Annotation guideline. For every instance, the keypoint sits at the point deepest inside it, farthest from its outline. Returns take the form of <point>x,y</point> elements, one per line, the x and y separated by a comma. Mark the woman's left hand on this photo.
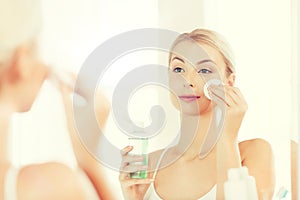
<point>233,105</point>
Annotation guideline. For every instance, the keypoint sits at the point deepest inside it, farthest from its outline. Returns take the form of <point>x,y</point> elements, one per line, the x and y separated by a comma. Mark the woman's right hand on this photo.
<point>132,188</point>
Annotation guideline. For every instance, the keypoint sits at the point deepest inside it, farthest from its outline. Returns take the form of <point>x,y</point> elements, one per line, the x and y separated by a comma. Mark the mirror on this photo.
<point>258,31</point>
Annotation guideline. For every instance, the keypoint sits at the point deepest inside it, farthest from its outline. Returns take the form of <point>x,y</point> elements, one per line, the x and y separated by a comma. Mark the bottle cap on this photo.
<point>234,173</point>
<point>238,173</point>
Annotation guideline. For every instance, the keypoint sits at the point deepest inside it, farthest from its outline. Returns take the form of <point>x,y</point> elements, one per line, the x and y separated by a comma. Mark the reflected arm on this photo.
<point>94,170</point>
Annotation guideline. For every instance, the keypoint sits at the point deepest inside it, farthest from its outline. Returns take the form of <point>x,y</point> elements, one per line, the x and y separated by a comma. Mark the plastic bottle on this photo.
<point>240,186</point>
<point>140,147</point>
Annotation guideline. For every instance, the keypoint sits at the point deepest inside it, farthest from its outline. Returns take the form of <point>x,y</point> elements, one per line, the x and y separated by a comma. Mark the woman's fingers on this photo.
<point>219,101</point>
<point>228,95</point>
<point>123,176</point>
<point>134,168</point>
<point>128,158</point>
<point>136,181</point>
<point>219,94</point>
<point>135,161</point>
<point>239,94</point>
<point>131,163</point>
<point>126,150</point>
<point>230,99</point>
<point>127,169</point>
<point>133,158</point>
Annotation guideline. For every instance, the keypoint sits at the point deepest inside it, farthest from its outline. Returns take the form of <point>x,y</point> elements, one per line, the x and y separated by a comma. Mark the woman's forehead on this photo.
<point>194,52</point>
<point>190,51</point>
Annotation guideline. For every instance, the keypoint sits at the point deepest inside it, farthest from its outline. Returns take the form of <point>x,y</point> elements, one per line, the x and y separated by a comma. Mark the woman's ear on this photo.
<point>231,79</point>
<point>22,63</point>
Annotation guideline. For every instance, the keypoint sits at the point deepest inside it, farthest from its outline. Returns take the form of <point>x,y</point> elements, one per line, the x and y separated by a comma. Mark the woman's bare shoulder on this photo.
<point>257,155</point>
<point>255,149</point>
<point>254,144</point>
<point>49,181</point>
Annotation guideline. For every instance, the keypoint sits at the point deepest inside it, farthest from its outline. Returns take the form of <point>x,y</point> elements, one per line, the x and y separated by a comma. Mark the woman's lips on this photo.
<point>189,98</point>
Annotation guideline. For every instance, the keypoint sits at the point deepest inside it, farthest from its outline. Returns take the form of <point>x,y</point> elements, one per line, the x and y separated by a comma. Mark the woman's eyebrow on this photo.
<point>198,63</point>
<point>174,58</point>
<point>204,61</point>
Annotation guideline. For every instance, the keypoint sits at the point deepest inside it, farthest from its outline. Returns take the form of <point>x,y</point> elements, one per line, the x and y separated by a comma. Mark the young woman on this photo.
<point>21,76</point>
<point>181,171</point>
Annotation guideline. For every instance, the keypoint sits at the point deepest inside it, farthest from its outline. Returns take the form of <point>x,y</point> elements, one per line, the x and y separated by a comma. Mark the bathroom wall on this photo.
<point>259,32</point>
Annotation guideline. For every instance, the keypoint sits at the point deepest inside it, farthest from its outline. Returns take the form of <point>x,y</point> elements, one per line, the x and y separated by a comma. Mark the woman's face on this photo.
<point>191,66</point>
<point>28,74</point>
<point>32,82</point>
<point>32,85</point>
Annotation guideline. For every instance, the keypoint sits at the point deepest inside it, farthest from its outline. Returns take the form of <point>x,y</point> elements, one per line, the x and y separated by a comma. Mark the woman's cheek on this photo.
<point>174,100</point>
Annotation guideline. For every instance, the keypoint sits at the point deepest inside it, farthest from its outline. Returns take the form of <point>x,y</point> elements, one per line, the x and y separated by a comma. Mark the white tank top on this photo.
<point>10,184</point>
<point>152,195</point>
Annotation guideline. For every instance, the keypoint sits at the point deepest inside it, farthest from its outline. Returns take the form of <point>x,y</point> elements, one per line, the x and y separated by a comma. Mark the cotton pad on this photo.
<point>209,83</point>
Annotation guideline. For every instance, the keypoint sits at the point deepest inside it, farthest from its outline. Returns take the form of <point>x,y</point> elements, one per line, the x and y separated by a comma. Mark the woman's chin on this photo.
<point>190,111</point>
<point>25,108</point>
<point>195,110</point>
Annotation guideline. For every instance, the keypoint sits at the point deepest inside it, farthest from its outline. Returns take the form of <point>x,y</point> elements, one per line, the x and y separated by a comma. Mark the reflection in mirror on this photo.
<point>258,31</point>
<point>262,47</point>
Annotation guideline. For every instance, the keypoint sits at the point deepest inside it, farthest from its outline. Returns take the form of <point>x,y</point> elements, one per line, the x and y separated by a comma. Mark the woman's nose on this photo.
<point>189,85</point>
<point>190,80</point>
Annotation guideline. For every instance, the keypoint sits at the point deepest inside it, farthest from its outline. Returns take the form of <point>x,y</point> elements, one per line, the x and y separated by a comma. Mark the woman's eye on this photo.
<point>178,70</point>
<point>204,71</point>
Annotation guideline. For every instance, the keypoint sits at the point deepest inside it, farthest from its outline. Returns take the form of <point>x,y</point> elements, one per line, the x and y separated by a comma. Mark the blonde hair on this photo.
<point>212,39</point>
<point>20,22</point>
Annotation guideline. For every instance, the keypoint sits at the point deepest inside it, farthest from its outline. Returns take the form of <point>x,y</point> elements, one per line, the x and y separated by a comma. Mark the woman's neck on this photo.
<point>193,133</point>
